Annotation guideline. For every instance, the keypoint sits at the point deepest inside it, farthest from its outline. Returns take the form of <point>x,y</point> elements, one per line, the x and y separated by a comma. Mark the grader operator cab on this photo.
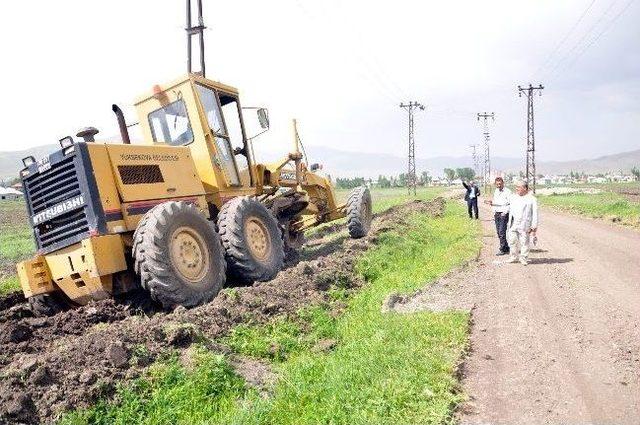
<point>176,214</point>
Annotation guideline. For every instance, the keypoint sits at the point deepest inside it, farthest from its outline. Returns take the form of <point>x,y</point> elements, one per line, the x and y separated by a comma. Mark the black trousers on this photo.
<point>501,228</point>
<point>472,206</point>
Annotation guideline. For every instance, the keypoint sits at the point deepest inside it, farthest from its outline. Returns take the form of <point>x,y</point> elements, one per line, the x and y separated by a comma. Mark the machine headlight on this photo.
<point>65,142</point>
<point>69,149</point>
<point>28,161</point>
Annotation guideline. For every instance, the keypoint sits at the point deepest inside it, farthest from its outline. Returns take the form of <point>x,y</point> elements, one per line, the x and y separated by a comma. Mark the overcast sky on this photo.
<point>340,68</point>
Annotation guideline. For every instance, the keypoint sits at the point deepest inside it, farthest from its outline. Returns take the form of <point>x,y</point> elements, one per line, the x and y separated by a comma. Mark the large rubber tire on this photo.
<point>252,240</point>
<point>178,255</point>
<point>359,212</point>
<point>49,304</point>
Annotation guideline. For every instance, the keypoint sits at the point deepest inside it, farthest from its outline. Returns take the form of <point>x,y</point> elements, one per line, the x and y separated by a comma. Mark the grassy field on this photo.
<point>16,242</point>
<point>384,369</point>
<point>606,205</point>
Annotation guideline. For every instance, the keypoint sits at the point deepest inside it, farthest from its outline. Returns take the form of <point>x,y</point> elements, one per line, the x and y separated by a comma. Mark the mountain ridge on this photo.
<point>340,163</point>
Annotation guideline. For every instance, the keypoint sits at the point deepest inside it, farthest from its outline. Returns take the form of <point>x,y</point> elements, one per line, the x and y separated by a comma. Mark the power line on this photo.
<point>564,39</point>
<point>601,33</point>
<point>558,65</point>
<point>531,141</point>
<point>411,169</point>
<point>379,84</point>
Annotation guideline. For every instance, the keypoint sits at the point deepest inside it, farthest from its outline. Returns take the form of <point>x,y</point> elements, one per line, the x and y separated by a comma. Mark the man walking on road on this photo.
<point>523,222</point>
<point>472,198</point>
<point>500,206</point>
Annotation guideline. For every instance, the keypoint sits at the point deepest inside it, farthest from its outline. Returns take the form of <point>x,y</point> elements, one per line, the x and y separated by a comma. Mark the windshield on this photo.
<point>170,124</point>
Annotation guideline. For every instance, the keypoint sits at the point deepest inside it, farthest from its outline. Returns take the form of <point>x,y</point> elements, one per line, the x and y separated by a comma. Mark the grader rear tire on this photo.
<point>178,255</point>
<point>359,212</point>
<point>252,240</point>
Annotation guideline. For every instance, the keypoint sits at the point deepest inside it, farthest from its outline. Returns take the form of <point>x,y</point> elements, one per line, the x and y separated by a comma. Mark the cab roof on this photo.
<point>194,78</point>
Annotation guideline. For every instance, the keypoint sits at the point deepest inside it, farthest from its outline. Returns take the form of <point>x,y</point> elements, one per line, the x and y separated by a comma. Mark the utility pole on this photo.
<point>198,31</point>
<point>411,172</point>
<point>531,140</point>
<point>486,175</point>
<point>474,157</point>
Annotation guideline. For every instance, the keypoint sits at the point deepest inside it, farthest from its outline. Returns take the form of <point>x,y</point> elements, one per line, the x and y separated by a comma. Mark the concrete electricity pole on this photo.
<point>531,140</point>
<point>411,172</point>
<point>486,175</point>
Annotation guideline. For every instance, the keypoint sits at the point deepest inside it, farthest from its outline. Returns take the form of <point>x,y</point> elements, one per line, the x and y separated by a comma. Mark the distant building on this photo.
<point>598,180</point>
<point>9,194</point>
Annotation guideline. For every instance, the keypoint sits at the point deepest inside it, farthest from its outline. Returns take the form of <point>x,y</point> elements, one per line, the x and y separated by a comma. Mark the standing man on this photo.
<point>472,198</point>
<point>523,222</point>
<point>500,206</point>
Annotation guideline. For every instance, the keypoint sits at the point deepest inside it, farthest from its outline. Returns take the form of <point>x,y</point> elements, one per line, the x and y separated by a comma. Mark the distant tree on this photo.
<point>636,173</point>
<point>402,180</point>
<point>383,182</point>
<point>449,174</point>
<point>465,174</point>
<point>425,178</point>
<point>349,183</point>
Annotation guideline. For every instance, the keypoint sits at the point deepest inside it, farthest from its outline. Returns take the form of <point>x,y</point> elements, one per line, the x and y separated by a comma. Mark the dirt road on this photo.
<point>557,341</point>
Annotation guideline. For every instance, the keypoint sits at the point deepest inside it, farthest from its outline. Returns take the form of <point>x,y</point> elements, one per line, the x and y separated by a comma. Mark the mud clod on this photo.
<point>117,355</point>
<point>41,376</point>
<point>87,377</point>
<point>14,333</point>
<point>182,336</point>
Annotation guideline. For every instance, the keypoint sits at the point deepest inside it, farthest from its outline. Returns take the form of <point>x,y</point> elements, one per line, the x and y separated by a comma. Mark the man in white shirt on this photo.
<point>523,222</point>
<point>500,206</point>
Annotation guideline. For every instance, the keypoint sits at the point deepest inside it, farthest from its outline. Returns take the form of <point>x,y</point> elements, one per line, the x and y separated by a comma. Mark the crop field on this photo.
<point>611,206</point>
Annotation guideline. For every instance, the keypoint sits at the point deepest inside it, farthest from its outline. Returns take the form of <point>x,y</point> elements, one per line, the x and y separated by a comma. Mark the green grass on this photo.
<point>384,199</point>
<point>283,337</point>
<point>171,393</point>
<point>388,368</point>
<point>606,205</point>
<point>385,369</point>
<point>9,284</point>
<point>16,242</point>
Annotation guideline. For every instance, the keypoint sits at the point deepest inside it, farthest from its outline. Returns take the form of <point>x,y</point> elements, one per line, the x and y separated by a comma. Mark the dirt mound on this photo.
<point>50,365</point>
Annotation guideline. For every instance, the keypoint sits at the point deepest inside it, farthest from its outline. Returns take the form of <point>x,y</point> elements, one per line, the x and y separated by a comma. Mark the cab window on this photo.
<point>170,124</point>
<point>211,109</point>
<point>224,152</point>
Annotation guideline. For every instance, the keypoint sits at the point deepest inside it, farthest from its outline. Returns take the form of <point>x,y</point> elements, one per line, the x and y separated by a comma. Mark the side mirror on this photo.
<point>263,117</point>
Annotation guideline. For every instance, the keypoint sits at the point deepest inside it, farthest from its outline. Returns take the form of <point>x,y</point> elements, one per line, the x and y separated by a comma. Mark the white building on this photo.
<point>8,194</point>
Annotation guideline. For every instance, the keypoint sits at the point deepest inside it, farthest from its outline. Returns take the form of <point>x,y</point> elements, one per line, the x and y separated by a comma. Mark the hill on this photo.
<point>355,164</point>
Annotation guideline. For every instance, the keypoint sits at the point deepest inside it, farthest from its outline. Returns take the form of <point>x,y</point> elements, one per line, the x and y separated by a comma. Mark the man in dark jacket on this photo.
<point>472,198</point>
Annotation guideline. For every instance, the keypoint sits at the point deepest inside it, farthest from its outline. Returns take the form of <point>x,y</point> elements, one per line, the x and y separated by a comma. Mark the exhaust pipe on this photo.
<point>124,131</point>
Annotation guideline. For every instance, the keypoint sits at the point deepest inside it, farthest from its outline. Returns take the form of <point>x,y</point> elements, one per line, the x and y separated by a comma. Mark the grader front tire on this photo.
<point>359,214</point>
<point>252,240</point>
<point>178,255</point>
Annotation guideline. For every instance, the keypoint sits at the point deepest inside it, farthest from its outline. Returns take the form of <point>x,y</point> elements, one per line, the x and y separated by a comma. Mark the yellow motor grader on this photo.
<point>175,214</point>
